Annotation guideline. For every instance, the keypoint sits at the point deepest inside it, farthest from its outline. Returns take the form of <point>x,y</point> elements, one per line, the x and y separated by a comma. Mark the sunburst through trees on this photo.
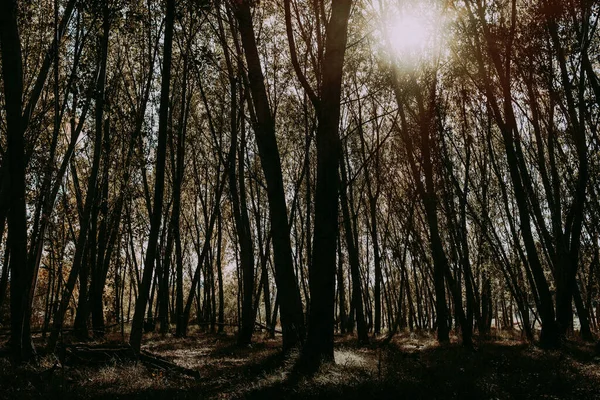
<point>309,171</point>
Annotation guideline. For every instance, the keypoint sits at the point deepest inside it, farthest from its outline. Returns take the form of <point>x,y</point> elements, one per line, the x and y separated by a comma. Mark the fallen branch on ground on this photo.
<point>101,354</point>
<point>263,326</point>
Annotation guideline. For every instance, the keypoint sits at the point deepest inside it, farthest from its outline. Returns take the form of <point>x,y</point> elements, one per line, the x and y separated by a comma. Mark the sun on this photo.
<point>409,34</point>
<point>412,32</point>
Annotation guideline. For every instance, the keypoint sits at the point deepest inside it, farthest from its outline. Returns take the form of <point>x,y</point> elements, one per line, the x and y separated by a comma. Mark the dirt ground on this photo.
<point>409,367</point>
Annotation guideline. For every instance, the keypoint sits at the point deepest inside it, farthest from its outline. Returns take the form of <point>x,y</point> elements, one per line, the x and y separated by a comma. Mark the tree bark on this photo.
<point>353,260</point>
<point>84,226</point>
<point>135,339</point>
<point>319,343</point>
<point>12,73</point>
<point>292,318</point>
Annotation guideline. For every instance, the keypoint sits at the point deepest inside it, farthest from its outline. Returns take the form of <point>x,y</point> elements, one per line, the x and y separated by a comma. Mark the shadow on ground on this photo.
<point>410,366</point>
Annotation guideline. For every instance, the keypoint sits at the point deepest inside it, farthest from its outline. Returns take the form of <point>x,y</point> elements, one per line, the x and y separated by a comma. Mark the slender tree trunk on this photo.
<point>84,225</point>
<point>583,315</point>
<point>221,320</point>
<point>182,323</point>
<point>373,195</point>
<point>135,339</point>
<point>4,277</point>
<point>353,260</point>
<point>163,276</point>
<point>244,233</point>
<point>80,324</point>
<point>377,262</point>
<point>177,183</point>
<point>427,195</point>
<point>292,318</point>
<point>341,287</point>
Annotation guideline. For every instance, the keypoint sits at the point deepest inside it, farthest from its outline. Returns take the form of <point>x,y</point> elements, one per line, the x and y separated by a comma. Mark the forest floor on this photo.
<point>410,366</point>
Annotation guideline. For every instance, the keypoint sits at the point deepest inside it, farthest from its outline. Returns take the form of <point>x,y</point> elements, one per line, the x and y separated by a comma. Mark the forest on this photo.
<point>299,198</point>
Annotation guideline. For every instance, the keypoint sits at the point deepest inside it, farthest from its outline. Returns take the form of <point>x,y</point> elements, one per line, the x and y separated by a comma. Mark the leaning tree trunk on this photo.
<point>292,318</point>
<point>91,192</point>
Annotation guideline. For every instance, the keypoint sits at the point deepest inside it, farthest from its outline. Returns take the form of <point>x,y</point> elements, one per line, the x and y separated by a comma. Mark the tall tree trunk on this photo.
<point>135,339</point>
<point>341,287</point>
<point>177,182</point>
<point>353,259</point>
<point>80,325</point>
<point>12,73</point>
<point>242,224</point>
<point>319,343</point>
<point>221,320</point>
<point>373,196</point>
<point>292,318</point>
<point>98,277</point>
<point>5,261</point>
<point>182,323</point>
<point>506,121</point>
<point>569,241</point>
<point>84,226</point>
<point>17,120</point>
<point>163,276</point>
<point>428,198</point>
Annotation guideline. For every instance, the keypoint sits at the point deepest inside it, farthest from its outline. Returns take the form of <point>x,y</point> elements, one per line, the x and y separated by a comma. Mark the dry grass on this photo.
<point>411,366</point>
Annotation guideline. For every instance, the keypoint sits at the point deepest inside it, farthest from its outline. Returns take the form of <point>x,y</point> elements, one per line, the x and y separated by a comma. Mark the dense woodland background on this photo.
<point>280,165</point>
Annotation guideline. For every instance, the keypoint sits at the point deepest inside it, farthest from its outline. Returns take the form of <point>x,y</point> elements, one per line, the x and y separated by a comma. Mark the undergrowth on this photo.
<point>411,366</point>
